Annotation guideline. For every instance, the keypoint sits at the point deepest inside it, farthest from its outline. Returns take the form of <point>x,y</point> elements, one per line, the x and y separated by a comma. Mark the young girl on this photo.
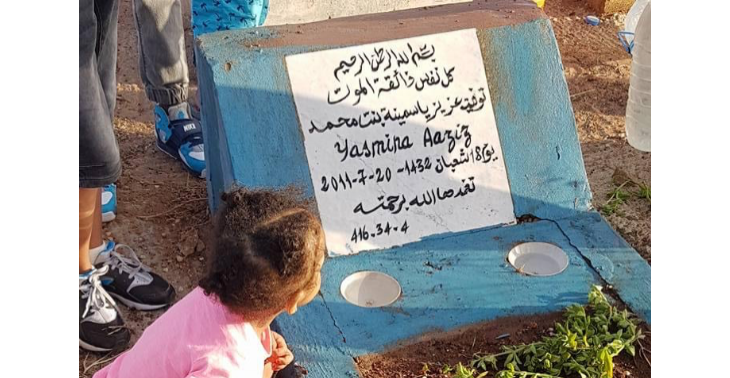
<point>268,253</point>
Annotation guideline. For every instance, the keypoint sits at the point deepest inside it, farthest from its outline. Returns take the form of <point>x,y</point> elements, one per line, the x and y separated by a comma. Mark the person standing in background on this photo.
<point>105,269</point>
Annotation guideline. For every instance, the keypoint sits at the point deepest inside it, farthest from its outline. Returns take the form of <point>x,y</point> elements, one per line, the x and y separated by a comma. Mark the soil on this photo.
<point>363,29</point>
<point>162,208</point>
<point>408,361</point>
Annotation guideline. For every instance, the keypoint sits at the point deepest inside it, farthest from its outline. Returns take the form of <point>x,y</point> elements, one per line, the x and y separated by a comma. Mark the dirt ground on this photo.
<point>159,203</point>
<point>597,70</point>
<point>461,345</point>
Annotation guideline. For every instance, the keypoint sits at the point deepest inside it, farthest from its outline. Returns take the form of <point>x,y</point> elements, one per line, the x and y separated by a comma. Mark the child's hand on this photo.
<point>281,355</point>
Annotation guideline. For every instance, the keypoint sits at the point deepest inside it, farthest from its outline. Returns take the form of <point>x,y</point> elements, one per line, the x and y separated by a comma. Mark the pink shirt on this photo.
<point>197,338</point>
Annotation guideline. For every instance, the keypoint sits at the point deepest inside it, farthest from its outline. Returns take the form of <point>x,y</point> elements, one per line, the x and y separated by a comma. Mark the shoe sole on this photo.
<point>91,348</point>
<point>136,305</point>
<point>108,217</point>
<point>178,158</point>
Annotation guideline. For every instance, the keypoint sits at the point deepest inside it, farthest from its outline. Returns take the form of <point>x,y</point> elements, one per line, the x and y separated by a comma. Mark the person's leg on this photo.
<point>96,239</point>
<point>106,68</point>
<point>162,61</point>
<point>164,71</point>
<point>100,326</point>
<point>99,162</point>
<point>99,165</point>
<point>89,227</point>
<point>87,205</point>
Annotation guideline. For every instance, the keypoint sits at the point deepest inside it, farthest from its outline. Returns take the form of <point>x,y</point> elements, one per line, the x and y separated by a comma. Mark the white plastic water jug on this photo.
<point>631,20</point>
<point>638,108</point>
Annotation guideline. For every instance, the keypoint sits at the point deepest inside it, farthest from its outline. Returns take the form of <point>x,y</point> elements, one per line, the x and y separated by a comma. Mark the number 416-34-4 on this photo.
<point>362,233</point>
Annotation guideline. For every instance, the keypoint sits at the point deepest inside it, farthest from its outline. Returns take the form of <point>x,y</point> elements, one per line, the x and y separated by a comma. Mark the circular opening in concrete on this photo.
<point>370,289</point>
<point>538,259</point>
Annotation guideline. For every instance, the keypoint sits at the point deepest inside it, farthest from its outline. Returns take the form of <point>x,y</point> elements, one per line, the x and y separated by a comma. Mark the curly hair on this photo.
<point>268,245</point>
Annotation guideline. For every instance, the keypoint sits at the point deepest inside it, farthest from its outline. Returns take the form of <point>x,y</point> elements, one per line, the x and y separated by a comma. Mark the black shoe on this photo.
<point>101,328</point>
<point>130,281</point>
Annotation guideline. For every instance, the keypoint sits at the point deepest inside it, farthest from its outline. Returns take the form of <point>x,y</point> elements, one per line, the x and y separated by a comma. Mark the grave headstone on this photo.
<point>401,140</point>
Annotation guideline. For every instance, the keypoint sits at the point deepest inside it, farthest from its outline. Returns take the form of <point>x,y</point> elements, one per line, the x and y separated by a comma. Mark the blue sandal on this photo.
<point>181,136</point>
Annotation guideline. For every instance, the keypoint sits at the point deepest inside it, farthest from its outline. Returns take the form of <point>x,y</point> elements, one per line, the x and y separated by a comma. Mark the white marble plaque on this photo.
<point>401,140</point>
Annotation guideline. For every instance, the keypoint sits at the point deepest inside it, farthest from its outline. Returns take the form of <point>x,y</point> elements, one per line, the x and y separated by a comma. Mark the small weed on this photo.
<point>619,195</point>
<point>644,191</point>
<point>446,369</point>
<point>461,371</point>
<point>609,208</point>
<point>616,197</point>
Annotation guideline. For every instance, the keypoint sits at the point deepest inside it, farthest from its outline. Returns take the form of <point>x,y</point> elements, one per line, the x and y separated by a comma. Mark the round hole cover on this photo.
<point>370,289</point>
<point>538,259</point>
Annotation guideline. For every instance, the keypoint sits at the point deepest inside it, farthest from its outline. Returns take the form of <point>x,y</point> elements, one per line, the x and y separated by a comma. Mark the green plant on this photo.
<point>584,345</point>
<point>461,371</point>
<point>616,197</point>
<point>644,191</point>
<point>619,195</point>
<point>609,208</point>
<point>446,369</point>
<point>425,368</point>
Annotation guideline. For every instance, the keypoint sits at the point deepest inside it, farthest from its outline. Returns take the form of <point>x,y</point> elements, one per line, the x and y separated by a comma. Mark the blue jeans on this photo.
<point>99,162</point>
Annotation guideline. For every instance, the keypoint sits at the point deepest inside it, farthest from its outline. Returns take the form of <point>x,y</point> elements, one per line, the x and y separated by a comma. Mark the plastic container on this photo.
<point>538,259</point>
<point>634,14</point>
<point>370,289</point>
<point>632,19</point>
<point>638,108</point>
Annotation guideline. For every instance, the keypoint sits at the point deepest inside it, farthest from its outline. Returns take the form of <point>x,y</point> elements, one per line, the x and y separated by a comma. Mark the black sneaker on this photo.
<point>130,281</point>
<point>101,328</point>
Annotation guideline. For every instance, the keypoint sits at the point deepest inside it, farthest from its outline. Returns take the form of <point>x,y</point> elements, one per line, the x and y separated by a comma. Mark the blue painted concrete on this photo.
<point>451,282</point>
<point>613,258</point>
<point>253,138</point>
<point>253,128</point>
<point>535,120</point>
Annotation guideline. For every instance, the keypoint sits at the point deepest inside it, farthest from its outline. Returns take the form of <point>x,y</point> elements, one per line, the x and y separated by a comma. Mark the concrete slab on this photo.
<point>451,282</point>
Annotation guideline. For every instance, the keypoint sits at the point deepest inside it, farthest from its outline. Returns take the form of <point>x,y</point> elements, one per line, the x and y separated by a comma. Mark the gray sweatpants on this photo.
<point>162,62</point>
